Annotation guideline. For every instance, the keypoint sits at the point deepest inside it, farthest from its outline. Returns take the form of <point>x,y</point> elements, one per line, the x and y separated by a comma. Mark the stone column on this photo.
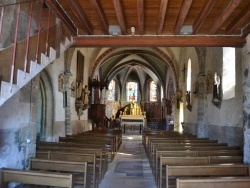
<point>67,103</point>
<point>246,99</point>
<point>201,52</point>
<point>67,74</point>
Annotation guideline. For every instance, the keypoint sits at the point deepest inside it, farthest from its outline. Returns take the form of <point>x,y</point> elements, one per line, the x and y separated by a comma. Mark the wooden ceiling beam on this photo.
<point>161,16</point>
<point>185,6</point>
<point>223,16</point>
<point>81,16</point>
<point>61,14</point>
<point>203,15</point>
<point>163,41</point>
<point>101,16</point>
<point>120,16</point>
<point>242,18</point>
<point>140,15</point>
<point>246,31</point>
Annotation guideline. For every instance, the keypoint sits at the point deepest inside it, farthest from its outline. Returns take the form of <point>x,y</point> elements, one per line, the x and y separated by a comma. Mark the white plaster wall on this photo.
<point>185,55</point>
<point>230,113</point>
<point>13,113</point>
<point>55,69</point>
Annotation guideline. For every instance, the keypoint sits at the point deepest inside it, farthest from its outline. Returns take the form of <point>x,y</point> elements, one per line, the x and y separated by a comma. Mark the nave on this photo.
<point>130,167</point>
<point>176,160</point>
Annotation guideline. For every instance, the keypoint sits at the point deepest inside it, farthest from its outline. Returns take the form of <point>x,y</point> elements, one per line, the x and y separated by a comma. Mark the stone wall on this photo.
<point>246,99</point>
<point>17,130</point>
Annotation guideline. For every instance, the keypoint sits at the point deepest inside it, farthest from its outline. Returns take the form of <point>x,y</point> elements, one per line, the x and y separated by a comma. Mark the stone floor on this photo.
<point>130,167</point>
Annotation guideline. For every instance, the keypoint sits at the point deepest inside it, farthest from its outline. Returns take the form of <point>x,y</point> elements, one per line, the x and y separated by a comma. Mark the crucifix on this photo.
<point>184,72</point>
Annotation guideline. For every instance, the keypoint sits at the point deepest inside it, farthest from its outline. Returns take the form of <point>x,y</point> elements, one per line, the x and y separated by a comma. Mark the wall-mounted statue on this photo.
<point>73,89</point>
<point>86,96</point>
<point>188,100</point>
<point>216,90</point>
<point>82,99</point>
<point>61,82</point>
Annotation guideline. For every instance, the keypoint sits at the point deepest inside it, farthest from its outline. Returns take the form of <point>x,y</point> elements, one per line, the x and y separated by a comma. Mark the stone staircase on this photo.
<point>7,90</point>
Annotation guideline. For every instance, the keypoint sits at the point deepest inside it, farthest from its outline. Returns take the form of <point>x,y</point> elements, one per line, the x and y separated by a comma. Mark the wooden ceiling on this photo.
<point>156,22</point>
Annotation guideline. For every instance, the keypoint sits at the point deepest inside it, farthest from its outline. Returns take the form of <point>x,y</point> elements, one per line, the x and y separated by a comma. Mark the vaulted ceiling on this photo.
<point>156,22</point>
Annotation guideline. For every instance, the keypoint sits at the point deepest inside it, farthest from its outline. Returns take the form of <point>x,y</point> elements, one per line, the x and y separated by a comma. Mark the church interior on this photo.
<point>130,91</point>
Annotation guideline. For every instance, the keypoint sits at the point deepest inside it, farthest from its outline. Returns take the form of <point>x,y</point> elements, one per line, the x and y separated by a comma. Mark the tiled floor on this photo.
<point>132,154</point>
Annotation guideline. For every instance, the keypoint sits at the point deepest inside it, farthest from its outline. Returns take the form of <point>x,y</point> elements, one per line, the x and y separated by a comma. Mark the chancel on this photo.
<point>133,115</point>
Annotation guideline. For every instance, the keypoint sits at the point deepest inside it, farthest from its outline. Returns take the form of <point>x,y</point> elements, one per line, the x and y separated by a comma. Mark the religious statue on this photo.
<point>178,98</point>
<point>73,89</point>
<point>61,82</point>
<point>82,98</point>
<point>86,96</point>
<point>216,90</point>
<point>188,101</point>
<point>187,97</point>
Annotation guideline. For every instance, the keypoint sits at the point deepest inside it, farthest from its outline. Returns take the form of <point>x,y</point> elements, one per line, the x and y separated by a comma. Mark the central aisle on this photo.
<point>130,167</point>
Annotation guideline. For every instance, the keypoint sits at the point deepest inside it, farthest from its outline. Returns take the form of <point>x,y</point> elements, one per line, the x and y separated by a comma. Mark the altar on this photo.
<point>133,115</point>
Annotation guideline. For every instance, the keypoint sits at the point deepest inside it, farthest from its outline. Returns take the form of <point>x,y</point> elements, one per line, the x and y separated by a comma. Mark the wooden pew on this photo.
<point>221,170</point>
<point>216,157</point>
<point>215,182</point>
<point>79,169</point>
<point>192,148</point>
<point>108,143</point>
<point>187,161</point>
<point>171,135</point>
<point>101,158</point>
<point>76,157</point>
<point>35,178</point>
<point>187,146</point>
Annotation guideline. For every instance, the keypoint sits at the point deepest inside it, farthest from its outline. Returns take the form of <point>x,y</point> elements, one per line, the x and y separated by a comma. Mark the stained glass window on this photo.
<point>131,91</point>
<point>153,91</point>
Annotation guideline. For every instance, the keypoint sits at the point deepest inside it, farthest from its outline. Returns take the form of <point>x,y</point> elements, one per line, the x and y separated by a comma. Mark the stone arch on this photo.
<point>46,97</point>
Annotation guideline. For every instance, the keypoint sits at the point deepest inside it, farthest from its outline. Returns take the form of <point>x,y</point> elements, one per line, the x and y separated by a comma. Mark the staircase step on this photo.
<point>35,68</point>
<point>23,78</point>
<point>7,90</point>
<point>52,54</point>
<point>66,45</point>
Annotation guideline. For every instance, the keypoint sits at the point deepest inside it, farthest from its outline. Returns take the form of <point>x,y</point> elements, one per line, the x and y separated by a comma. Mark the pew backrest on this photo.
<point>215,182</point>
<point>61,166</point>
<point>206,170</point>
<point>35,178</point>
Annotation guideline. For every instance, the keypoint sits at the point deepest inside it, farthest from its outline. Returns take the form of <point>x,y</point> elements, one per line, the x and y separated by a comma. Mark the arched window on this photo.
<point>189,75</point>
<point>131,89</point>
<point>152,91</point>
<point>228,81</point>
<point>111,91</point>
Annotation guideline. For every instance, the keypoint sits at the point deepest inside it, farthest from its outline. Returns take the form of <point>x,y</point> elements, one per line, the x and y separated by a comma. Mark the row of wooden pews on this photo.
<point>80,159</point>
<point>184,161</point>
